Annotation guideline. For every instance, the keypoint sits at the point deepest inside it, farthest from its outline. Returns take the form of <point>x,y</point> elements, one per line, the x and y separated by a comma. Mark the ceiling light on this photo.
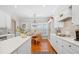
<point>15,6</point>
<point>44,6</point>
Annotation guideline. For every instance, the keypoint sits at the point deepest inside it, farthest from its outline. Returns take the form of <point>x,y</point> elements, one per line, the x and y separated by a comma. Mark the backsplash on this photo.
<point>69,28</point>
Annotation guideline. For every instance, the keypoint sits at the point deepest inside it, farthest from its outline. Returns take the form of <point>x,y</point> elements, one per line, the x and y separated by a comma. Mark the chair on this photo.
<point>36,38</point>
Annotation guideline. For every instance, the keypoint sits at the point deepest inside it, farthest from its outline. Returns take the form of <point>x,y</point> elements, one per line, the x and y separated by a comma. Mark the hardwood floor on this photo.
<point>44,47</point>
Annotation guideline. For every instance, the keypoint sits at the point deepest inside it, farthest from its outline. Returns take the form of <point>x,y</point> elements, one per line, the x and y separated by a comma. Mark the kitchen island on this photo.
<point>16,44</point>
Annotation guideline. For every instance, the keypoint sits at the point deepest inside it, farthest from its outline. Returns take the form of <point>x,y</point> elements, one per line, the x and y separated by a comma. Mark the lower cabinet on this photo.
<point>24,49</point>
<point>63,47</point>
<point>59,51</point>
<point>73,49</point>
<point>56,43</point>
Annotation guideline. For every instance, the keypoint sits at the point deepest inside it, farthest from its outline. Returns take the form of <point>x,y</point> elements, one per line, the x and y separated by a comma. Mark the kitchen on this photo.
<point>58,24</point>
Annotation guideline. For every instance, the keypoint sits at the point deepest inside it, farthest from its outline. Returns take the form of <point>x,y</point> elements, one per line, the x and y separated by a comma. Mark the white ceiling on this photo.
<point>29,10</point>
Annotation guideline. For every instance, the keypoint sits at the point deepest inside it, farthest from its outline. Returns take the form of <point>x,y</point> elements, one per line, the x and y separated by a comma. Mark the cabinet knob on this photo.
<point>69,45</point>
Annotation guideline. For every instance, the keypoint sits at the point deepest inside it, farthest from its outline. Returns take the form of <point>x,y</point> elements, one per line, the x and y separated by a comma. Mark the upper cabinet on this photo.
<point>75,14</point>
<point>2,20</point>
<point>65,13</point>
<point>5,20</point>
<point>8,21</point>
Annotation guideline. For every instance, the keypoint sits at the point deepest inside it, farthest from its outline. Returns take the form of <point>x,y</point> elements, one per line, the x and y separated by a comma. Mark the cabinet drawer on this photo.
<point>65,50</point>
<point>71,47</point>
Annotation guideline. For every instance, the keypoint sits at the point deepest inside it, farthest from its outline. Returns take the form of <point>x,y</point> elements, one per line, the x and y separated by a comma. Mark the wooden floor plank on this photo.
<point>44,47</point>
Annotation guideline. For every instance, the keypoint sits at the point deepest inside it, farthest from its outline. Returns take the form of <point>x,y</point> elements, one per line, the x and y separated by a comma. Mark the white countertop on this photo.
<point>5,35</point>
<point>68,39</point>
<point>9,45</point>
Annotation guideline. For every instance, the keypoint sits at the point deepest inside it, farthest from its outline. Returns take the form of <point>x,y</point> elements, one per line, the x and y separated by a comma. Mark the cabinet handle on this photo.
<point>69,45</point>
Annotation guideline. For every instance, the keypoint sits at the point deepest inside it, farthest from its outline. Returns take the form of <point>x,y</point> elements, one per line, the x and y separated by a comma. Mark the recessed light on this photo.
<point>44,6</point>
<point>15,6</point>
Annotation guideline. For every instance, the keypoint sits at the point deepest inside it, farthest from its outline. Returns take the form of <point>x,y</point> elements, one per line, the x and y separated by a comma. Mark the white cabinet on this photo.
<point>25,48</point>
<point>2,20</point>
<point>75,14</point>
<point>60,49</point>
<point>56,43</point>
<point>62,46</point>
<point>65,12</point>
<point>71,48</point>
<point>67,48</point>
<point>8,21</point>
<point>5,20</point>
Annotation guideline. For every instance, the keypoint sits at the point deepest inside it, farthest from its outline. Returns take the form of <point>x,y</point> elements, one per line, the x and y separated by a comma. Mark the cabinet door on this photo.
<point>2,20</point>
<point>66,47</point>
<point>59,51</point>
<point>57,44</point>
<point>8,22</point>
<point>54,42</point>
<point>70,47</point>
<point>28,48</point>
<point>25,48</point>
<point>75,14</point>
<point>65,51</point>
